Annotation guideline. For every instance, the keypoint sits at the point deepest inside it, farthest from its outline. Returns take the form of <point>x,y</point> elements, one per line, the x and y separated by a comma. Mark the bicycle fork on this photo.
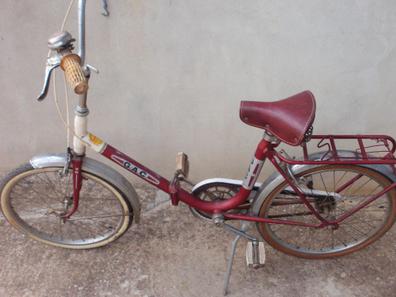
<point>76,163</point>
<point>78,153</point>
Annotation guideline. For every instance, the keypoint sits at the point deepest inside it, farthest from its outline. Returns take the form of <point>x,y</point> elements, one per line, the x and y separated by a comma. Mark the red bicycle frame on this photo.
<point>264,150</point>
<point>182,195</point>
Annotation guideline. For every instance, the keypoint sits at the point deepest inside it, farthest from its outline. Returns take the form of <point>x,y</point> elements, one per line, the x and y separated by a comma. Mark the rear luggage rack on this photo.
<point>345,149</point>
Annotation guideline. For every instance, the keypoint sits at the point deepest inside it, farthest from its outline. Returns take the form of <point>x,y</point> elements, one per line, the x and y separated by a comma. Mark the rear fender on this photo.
<point>276,178</point>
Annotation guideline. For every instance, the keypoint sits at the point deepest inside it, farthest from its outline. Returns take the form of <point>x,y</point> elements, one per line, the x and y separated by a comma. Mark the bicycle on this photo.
<point>325,204</point>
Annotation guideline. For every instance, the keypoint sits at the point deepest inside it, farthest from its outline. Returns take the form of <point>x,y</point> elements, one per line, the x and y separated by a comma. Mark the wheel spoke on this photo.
<point>36,199</point>
<point>357,183</point>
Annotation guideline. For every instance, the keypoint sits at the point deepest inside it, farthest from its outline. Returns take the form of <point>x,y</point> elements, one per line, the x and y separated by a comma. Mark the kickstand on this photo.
<point>240,233</point>
<point>229,264</point>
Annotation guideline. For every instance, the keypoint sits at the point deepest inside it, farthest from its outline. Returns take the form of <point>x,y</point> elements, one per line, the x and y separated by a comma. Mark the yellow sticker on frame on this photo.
<point>94,139</point>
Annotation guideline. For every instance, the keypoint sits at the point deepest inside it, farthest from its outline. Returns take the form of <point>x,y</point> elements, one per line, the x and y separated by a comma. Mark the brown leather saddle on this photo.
<point>288,119</point>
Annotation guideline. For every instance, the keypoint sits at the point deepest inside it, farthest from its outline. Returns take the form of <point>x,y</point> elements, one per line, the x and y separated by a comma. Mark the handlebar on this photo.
<point>81,29</point>
<point>74,66</point>
<point>81,25</point>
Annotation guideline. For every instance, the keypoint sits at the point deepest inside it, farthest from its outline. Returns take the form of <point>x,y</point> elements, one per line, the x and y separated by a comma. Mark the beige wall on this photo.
<point>173,73</point>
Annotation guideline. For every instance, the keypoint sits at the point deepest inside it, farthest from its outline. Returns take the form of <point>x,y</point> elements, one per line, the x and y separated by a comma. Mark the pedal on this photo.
<point>255,254</point>
<point>182,164</point>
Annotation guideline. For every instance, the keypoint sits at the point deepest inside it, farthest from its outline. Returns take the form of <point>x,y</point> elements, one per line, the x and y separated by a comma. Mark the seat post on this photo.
<point>270,138</point>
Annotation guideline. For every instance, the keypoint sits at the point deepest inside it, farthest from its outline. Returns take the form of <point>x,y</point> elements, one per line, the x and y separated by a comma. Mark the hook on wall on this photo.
<point>105,8</point>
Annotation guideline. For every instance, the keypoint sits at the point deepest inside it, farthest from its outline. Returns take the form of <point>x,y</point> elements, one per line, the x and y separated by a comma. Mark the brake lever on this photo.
<point>52,63</point>
<point>105,8</point>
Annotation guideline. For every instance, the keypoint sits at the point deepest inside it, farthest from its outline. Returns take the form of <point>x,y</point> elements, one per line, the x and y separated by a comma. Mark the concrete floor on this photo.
<point>171,253</point>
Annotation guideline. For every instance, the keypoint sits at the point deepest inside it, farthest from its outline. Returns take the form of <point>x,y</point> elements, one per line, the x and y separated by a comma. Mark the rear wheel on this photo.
<point>34,200</point>
<point>332,190</point>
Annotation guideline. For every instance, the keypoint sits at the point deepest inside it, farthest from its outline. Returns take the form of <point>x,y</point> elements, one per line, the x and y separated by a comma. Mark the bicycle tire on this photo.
<point>291,239</point>
<point>17,213</point>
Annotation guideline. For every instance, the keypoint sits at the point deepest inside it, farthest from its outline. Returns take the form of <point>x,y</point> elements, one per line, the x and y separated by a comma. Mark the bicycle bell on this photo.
<point>61,41</point>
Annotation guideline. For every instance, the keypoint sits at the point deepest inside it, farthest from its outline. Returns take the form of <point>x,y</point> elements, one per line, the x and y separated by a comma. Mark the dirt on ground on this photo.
<point>171,254</point>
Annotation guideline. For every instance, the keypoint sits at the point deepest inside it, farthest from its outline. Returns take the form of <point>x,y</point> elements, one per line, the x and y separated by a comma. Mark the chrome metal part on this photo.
<point>67,202</point>
<point>218,219</point>
<point>255,254</point>
<point>60,41</point>
<point>97,168</point>
<point>308,134</point>
<point>229,264</point>
<point>270,138</point>
<point>92,68</point>
<point>241,233</point>
<point>87,71</point>
<point>82,101</point>
<point>69,156</point>
<point>81,29</point>
<point>81,111</point>
<point>47,78</point>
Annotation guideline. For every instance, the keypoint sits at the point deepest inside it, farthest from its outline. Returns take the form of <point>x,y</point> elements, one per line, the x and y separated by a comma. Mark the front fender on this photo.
<point>276,178</point>
<point>99,169</point>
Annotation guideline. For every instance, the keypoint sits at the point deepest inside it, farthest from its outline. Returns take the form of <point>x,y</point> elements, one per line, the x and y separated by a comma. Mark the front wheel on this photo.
<point>34,200</point>
<point>332,190</point>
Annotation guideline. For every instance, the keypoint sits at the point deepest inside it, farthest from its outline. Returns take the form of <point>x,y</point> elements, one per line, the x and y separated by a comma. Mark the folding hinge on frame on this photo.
<point>173,189</point>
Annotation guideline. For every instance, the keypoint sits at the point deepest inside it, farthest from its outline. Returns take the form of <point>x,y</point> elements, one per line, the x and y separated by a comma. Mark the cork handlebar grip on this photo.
<point>75,77</point>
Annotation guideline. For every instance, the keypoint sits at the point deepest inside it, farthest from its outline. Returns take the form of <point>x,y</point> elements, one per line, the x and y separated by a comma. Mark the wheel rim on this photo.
<point>35,200</point>
<point>352,233</point>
